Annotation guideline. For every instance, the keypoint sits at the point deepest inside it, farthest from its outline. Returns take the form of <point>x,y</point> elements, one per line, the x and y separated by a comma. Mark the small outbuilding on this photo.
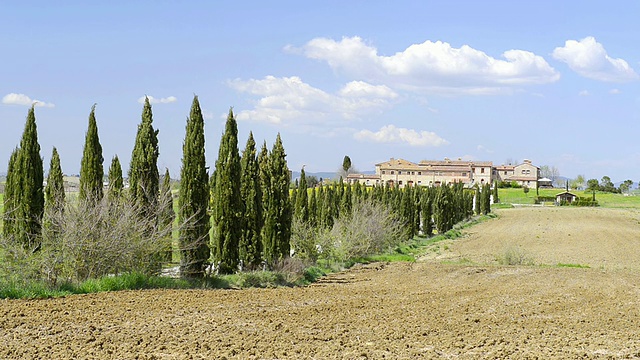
<point>566,198</point>
<point>545,183</point>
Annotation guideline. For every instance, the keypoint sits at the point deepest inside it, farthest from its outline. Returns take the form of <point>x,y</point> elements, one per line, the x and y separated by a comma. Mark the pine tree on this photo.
<point>11,189</point>
<point>253,219</point>
<point>302,199</point>
<point>194,198</point>
<point>91,170</point>
<point>277,229</point>
<point>54,198</point>
<point>116,183</point>
<point>166,214</point>
<point>144,180</point>
<point>26,193</point>
<point>228,207</point>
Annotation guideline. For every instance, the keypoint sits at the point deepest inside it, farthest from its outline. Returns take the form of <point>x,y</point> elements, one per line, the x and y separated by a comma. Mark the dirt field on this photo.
<point>429,309</point>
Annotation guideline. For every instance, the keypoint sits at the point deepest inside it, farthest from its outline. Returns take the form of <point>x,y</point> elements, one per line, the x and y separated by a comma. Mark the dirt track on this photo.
<point>397,311</point>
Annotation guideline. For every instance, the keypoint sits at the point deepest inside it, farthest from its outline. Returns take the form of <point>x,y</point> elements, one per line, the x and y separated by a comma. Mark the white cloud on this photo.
<point>583,93</point>
<point>615,91</point>
<point>290,99</point>
<point>588,58</point>
<point>482,148</point>
<point>432,66</point>
<point>392,134</point>
<point>22,99</point>
<point>152,100</point>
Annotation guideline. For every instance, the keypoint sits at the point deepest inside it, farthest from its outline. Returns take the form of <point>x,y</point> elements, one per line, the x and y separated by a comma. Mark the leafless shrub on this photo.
<point>371,228</point>
<point>103,237</point>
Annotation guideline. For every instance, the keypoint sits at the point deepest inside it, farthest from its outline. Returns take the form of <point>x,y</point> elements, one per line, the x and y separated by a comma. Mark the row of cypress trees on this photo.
<point>25,206</point>
<point>250,205</point>
<point>422,209</point>
<point>246,199</point>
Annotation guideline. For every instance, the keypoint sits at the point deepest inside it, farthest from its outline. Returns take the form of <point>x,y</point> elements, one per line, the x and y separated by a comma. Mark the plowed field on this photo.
<point>455,303</point>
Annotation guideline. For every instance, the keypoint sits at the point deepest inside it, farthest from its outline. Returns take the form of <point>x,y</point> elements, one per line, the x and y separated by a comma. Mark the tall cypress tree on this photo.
<point>27,180</point>
<point>54,199</point>
<point>167,214</point>
<point>54,191</point>
<point>277,234</point>
<point>116,183</point>
<point>253,219</point>
<point>427,211</point>
<point>313,208</point>
<point>496,199</point>
<point>91,170</point>
<point>144,180</point>
<point>228,206</point>
<point>302,199</point>
<point>194,198</point>
<point>11,191</point>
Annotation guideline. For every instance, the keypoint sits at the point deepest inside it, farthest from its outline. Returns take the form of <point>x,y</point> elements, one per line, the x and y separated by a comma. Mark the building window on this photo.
<point>399,172</point>
<point>391,172</point>
<point>419,172</point>
<point>383,172</point>
<point>481,170</point>
<point>400,182</point>
<point>505,173</point>
<point>419,182</point>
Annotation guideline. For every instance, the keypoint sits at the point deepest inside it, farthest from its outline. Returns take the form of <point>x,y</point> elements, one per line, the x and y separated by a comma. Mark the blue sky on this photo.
<point>553,82</point>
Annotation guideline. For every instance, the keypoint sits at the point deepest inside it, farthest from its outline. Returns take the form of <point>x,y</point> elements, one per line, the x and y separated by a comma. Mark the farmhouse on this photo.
<point>401,173</point>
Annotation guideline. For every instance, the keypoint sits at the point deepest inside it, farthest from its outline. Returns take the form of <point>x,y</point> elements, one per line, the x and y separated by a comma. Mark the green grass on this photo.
<point>577,266</point>
<point>607,200</point>
<point>134,281</point>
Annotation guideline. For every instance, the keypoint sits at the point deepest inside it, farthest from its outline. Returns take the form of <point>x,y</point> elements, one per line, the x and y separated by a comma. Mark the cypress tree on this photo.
<point>277,234</point>
<point>228,207</point>
<point>194,198</point>
<point>443,209</point>
<point>477,200</point>
<point>116,183</point>
<point>302,199</point>
<point>496,199</point>
<point>328,207</point>
<point>251,193</point>
<point>11,189</point>
<point>263,166</point>
<point>427,211</point>
<point>27,205</point>
<point>346,200</point>
<point>54,198</point>
<point>166,214</point>
<point>486,199</point>
<point>406,212</point>
<point>91,170</point>
<point>144,182</point>
<point>313,208</point>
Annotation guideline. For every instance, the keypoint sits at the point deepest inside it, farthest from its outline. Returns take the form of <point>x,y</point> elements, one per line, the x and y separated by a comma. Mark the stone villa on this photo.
<point>401,173</point>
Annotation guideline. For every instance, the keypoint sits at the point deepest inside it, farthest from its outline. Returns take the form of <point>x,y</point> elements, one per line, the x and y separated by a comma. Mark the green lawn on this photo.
<point>517,196</point>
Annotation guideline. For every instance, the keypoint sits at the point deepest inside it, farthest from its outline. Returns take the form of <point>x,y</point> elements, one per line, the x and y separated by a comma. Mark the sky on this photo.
<point>553,82</point>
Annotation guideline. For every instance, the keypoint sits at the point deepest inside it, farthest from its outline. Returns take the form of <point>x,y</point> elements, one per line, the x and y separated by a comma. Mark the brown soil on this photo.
<point>429,309</point>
